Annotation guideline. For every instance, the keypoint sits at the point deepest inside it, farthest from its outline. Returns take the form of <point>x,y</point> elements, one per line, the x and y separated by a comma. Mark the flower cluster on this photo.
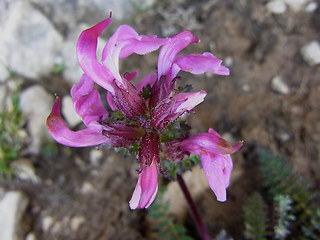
<point>147,108</point>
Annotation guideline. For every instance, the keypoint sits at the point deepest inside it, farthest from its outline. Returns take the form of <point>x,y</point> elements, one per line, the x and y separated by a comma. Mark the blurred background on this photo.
<point>270,100</point>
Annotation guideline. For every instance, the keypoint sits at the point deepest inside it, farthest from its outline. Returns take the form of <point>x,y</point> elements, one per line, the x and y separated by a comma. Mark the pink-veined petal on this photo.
<point>84,86</point>
<point>87,58</point>
<point>61,133</point>
<point>209,142</point>
<point>111,102</point>
<point>217,169</point>
<point>201,63</point>
<point>187,101</point>
<point>150,79</point>
<point>87,102</point>
<point>142,45</point>
<point>169,51</point>
<point>146,188</point>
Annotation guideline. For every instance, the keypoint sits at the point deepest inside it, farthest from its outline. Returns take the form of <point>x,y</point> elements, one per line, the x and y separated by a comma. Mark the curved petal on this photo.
<point>84,86</point>
<point>86,53</point>
<point>142,45</point>
<point>217,169</point>
<point>210,143</point>
<point>201,63</point>
<point>150,79</point>
<point>146,188</point>
<point>87,102</point>
<point>187,101</point>
<point>61,133</point>
<point>169,51</point>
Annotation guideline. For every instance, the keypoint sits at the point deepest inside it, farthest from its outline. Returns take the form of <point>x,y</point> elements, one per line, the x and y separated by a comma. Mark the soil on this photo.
<point>262,46</point>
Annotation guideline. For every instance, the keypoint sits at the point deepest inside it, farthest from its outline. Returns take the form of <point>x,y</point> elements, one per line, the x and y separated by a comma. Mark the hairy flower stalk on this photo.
<point>147,109</point>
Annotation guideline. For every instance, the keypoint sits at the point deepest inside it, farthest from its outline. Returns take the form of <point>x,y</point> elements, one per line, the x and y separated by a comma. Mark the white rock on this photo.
<point>311,7</point>
<point>95,156</point>
<point>12,209</point>
<point>311,53</point>
<point>46,223</point>
<point>276,7</point>
<point>76,221</point>
<point>279,85</point>
<point>36,104</point>
<point>72,70</point>
<point>25,170</point>
<point>68,112</point>
<point>28,41</point>
<point>295,5</point>
<point>228,61</point>
<point>31,236</point>
<point>87,188</point>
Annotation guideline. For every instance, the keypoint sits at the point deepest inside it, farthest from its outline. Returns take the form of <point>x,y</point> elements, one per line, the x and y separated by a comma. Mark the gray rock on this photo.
<point>29,42</point>
<point>31,236</point>
<point>68,112</point>
<point>278,85</point>
<point>276,6</point>
<point>36,104</point>
<point>311,7</point>
<point>311,53</point>
<point>12,208</point>
<point>295,5</point>
<point>25,170</point>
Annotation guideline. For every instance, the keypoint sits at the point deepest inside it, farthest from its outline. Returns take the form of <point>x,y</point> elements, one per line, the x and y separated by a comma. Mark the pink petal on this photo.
<point>111,102</point>
<point>123,43</point>
<point>86,53</point>
<point>201,63</point>
<point>142,45</point>
<point>187,101</point>
<point>61,133</point>
<point>169,51</point>
<point>146,188</point>
<point>217,169</point>
<point>150,79</point>
<point>87,102</point>
<point>209,143</point>
<point>84,87</point>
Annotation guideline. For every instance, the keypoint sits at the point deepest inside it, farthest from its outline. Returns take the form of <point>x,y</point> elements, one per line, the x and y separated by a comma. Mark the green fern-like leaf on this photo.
<point>165,224</point>
<point>279,179</point>
<point>254,213</point>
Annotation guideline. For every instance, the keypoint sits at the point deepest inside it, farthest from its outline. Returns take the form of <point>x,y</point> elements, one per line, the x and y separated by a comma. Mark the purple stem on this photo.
<point>193,209</point>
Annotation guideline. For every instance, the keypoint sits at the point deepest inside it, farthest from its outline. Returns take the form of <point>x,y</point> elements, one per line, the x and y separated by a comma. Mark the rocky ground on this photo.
<point>271,99</point>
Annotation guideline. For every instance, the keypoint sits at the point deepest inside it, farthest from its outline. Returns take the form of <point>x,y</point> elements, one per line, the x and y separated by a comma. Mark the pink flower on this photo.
<point>215,157</point>
<point>147,108</point>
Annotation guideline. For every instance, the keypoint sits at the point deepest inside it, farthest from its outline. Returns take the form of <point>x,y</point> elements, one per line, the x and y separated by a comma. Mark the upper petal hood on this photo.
<point>201,63</point>
<point>169,51</point>
<point>87,58</point>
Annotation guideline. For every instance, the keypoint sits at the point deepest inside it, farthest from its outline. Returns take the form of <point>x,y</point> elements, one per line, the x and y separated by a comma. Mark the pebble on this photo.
<point>76,221</point>
<point>13,205</point>
<point>276,7</point>
<point>28,41</point>
<point>278,85</point>
<point>69,113</point>
<point>311,7</point>
<point>311,53</point>
<point>36,103</point>
<point>25,170</point>
<point>295,5</point>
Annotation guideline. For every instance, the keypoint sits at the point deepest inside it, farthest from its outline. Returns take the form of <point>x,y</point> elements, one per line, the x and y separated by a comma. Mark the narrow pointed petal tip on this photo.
<point>86,54</point>
<point>90,136</point>
<point>146,188</point>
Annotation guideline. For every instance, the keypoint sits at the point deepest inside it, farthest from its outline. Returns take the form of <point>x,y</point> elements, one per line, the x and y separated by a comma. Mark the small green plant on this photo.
<point>255,217</point>
<point>292,206</point>
<point>165,225</point>
<point>11,121</point>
